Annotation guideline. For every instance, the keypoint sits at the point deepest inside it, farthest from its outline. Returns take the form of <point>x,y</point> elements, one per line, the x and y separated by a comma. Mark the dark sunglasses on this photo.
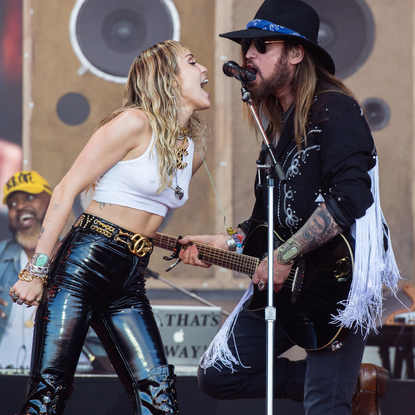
<point>260,44</point>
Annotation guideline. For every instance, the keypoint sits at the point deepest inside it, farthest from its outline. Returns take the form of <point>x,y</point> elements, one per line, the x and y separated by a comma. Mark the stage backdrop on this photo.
<point>64,97</point>
<point>377,64</point>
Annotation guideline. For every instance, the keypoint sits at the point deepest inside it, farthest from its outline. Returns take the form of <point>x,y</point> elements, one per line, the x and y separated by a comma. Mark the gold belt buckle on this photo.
<point>138,245</point>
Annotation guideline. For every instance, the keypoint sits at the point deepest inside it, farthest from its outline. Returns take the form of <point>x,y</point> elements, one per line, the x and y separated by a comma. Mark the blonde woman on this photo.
<point>139,160</point>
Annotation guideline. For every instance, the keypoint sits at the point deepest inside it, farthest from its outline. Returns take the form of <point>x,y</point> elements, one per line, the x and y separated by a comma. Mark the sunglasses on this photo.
<point>261,45</point>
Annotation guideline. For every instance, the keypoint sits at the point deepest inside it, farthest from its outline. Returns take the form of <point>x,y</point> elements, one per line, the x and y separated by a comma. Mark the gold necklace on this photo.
<point>184,132</point>
<point>181,151</point>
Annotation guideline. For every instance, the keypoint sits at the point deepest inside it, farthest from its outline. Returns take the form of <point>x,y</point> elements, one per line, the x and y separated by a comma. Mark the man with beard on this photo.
<point>327,152</point>
<point>27,196</point>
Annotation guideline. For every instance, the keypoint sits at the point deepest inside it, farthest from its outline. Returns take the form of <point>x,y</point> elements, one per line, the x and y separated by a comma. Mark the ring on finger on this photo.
<point>11,290</point>
<point>15,296</point>
<point>261,285</point>
<point>20,302</point>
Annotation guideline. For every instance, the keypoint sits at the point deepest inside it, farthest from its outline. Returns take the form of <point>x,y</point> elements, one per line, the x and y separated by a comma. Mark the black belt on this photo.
<point>138,244</point>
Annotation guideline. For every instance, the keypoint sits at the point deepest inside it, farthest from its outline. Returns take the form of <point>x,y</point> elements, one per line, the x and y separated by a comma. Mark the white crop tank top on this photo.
<point>134,183</point>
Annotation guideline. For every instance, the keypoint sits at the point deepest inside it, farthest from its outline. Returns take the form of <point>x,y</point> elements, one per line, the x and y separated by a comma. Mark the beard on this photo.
<point>279,78</point>
<point>27,240</point>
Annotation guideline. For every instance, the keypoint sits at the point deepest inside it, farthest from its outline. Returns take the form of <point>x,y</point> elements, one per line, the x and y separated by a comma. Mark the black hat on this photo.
<point>289,19</point>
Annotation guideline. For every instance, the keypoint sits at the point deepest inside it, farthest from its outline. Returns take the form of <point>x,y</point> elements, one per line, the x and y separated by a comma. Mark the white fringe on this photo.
<point>373,268</point>
<point>218,351</point>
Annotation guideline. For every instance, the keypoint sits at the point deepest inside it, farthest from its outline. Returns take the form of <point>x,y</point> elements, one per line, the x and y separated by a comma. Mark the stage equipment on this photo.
<point>80,54</point>
<point>347,32</point>
<point>397,332</point>
<point>106,36</point>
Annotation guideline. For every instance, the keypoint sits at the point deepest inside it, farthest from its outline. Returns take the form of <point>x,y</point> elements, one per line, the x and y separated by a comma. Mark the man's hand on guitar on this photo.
<point>189,254</point>
<point>281,273</point>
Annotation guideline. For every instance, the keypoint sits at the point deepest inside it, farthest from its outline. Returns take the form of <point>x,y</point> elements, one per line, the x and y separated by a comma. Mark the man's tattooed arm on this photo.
<point>319,229</point>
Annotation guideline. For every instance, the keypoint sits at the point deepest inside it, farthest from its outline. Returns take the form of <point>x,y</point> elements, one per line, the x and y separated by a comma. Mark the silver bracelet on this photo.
<point>40,260</point>
<point>33,269</point>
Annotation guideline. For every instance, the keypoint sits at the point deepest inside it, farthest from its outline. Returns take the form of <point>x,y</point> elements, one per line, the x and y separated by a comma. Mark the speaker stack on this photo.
<point>372,46</point>
<point>82,52</point>
<point>371,43</point>
<point>80,57</point>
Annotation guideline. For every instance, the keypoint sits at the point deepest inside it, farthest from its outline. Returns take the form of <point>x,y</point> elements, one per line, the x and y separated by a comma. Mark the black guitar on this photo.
<point>309,296</point>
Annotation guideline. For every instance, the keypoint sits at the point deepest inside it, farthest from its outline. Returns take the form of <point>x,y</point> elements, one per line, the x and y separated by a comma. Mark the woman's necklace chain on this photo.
<point>180,153</point>
<point>180,164</point>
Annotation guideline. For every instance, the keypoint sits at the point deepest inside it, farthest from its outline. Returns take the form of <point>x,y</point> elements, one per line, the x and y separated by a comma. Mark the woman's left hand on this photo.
<point>189,255</point>
<point>25,292</point>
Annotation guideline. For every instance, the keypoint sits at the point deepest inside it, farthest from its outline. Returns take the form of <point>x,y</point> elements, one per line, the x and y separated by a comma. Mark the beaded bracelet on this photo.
<point>237,239</point>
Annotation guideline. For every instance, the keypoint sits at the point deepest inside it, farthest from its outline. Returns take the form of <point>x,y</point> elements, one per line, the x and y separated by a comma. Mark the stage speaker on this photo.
<point>377,64</point>
<point>80,56</point>
<point>347,32</point>
<point>106,35</point>
<point>82,52</point>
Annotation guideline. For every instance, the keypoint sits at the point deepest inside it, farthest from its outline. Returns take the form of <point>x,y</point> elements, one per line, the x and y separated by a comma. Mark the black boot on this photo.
<point>46,395</point>
<point>157,394</point>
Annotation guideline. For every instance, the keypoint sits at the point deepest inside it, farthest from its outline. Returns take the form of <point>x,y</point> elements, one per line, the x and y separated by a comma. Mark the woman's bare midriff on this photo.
<point>136,221</point>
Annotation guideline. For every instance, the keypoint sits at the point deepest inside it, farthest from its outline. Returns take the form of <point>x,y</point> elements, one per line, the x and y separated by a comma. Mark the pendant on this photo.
<point>180,164</point>
<point>179,193</point>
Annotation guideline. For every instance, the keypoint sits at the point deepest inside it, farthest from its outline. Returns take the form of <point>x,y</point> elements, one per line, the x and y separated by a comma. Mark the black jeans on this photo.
<point>324,381</point>
<point>96,282</point>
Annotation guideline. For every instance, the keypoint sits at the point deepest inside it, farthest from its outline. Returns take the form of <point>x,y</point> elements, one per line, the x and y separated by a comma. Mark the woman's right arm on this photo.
<point>107,146</point>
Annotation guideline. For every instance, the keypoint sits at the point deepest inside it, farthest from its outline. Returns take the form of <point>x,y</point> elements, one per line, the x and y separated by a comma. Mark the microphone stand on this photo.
<point>270,311</point>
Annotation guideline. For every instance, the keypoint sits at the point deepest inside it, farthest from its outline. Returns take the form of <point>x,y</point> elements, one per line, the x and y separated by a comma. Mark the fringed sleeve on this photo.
<point>374,267</point>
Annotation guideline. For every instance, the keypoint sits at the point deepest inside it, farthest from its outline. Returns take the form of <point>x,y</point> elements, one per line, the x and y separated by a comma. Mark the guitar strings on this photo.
<point>242,263</point>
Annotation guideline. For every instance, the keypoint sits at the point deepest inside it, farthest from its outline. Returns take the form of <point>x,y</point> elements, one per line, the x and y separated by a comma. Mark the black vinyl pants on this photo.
<point>97,282</point>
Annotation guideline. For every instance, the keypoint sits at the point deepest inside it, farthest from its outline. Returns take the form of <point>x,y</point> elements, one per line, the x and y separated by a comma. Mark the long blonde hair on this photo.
<point>311,78</point>
<point>153,87</point>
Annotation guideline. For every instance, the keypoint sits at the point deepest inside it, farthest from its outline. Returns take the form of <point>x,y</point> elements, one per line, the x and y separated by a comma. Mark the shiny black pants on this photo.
<point>97,282</point>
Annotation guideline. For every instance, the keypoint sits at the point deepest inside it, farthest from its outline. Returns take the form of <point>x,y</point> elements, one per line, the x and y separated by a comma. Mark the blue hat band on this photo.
<point>272,27</point>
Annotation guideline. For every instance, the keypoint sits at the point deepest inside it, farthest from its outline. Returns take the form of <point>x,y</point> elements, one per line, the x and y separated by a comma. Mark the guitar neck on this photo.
<point>214,256</point>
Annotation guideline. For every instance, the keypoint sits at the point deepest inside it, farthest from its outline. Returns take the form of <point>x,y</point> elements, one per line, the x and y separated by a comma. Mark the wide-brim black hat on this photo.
<point>287,19</point>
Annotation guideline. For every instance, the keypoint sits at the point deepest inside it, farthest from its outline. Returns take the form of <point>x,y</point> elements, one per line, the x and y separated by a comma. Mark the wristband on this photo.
<point>288,252</point>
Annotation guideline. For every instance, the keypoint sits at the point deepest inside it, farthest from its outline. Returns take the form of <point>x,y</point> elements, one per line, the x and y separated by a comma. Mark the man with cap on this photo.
<point>27,196</point>
<point>327,153</point>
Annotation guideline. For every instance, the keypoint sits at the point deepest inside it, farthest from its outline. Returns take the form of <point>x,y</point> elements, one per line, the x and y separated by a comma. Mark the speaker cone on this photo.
<point>377,112</point>
<point>347,32</point>
<point>107,35</point>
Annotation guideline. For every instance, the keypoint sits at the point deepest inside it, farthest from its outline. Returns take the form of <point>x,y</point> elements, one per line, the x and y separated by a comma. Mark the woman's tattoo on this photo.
<point>42,229</point>
<point>102,205</point>
<point>55,206</point>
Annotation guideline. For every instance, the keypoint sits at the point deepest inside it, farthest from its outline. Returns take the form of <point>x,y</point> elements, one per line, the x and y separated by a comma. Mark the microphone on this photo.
<point>232,69</point>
